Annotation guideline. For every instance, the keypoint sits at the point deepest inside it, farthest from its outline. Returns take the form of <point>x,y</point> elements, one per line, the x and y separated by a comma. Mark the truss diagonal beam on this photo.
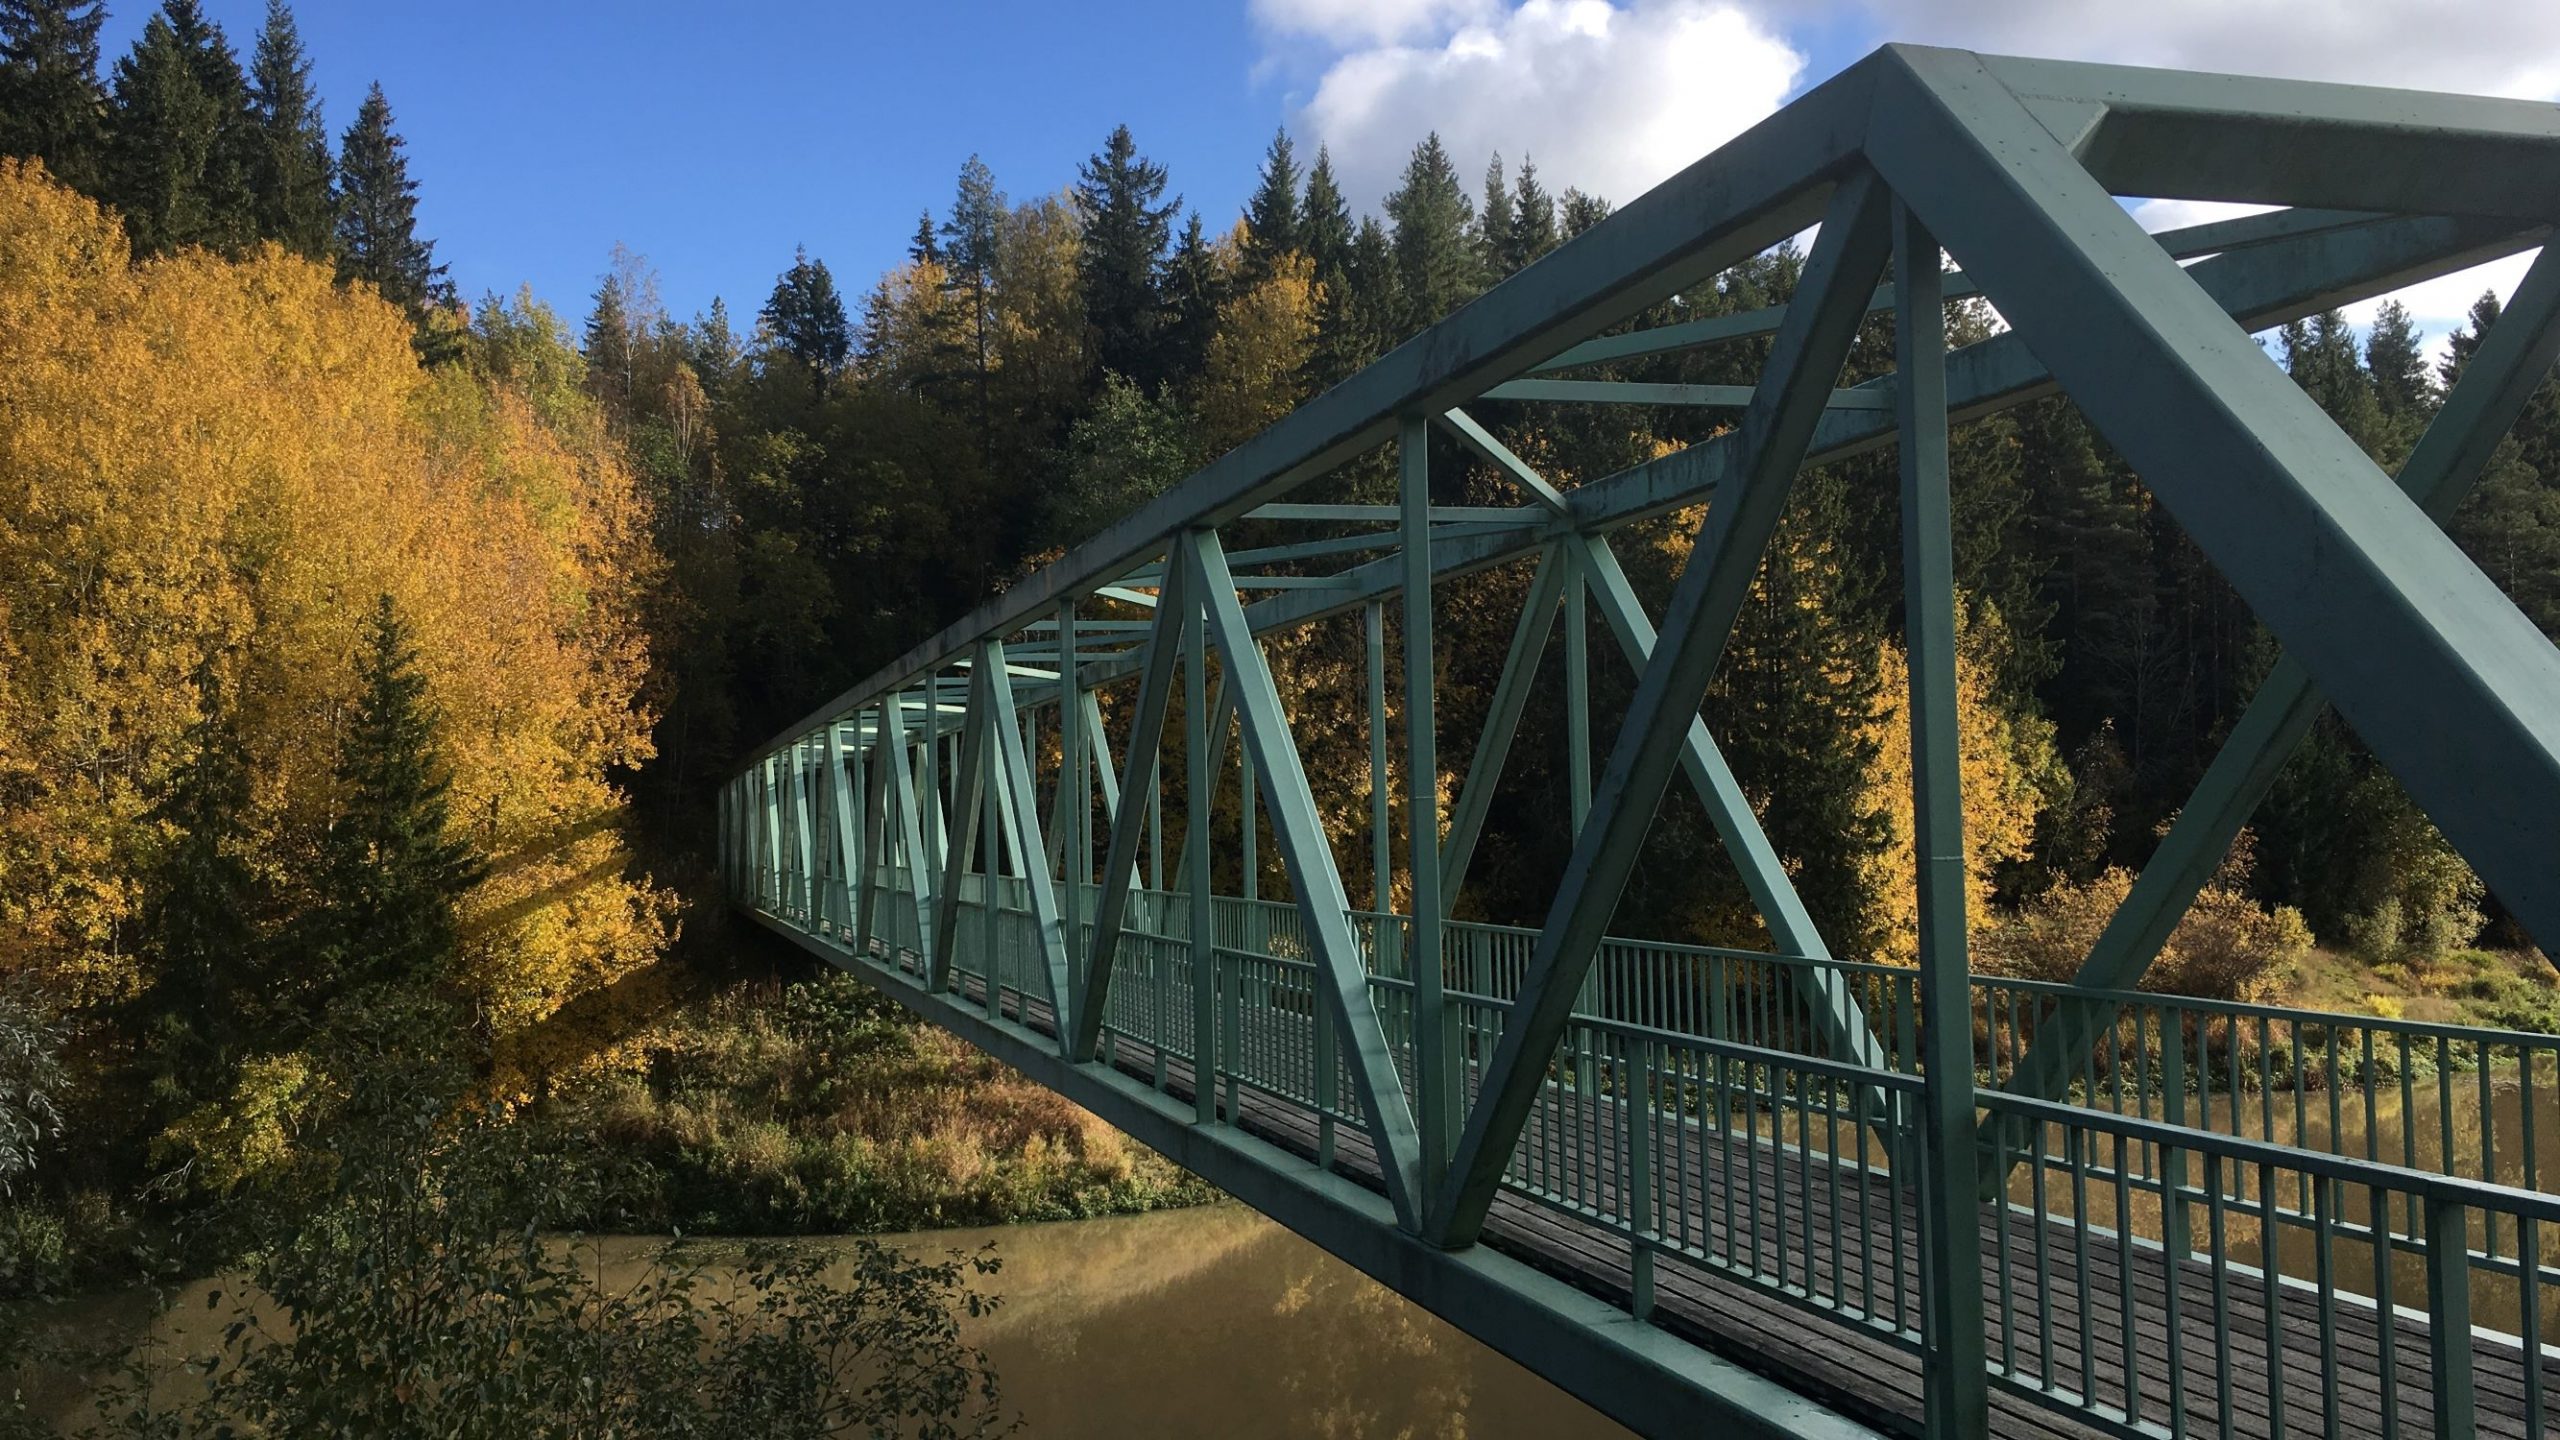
<point>1501,722</point>
<point>1020,810</point>
<point>1323,906</point>
<point>1844,1024</point>
<point>2414,645</point>
<point>1139,776</point>
<point>968,795</point>
<point>920,866</point>
<point>1803,362</point>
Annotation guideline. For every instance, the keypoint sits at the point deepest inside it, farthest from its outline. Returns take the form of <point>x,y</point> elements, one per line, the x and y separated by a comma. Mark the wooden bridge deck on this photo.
<point>1874,1377</point>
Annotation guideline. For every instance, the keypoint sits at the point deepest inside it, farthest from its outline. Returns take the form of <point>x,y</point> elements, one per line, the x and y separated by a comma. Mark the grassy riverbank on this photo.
<point>814,1106</point>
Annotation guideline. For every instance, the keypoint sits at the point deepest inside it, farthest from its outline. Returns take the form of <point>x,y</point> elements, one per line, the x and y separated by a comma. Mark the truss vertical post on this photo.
<point>991,846</point>
<point>804,863</point>
<point>1373,620</point>
<point>1435,1088</point>
<point>1201,778</point>
<point>1577,686</point>
<point>1957,1394</point>
<point>1073,811</point>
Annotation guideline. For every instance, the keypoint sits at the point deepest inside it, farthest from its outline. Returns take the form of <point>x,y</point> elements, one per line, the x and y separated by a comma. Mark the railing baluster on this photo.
<point>2449,1318</point>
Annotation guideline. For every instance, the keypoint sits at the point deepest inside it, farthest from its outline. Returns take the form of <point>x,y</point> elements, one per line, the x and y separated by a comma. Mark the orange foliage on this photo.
<point>216,466</point>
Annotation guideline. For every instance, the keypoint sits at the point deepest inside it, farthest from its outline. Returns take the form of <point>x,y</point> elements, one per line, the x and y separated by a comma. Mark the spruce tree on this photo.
<point>977,215</point>
<point>289,176</point>
<point>378,242</point>
<point>1325,221</point>
<point>608,349</point>
<point>1194,289</point>
<point>1579,212</point>
<point>806,318</point>
<point>1495,224</point>
<point>1533,216</point>
<point>179,140</point>
<point>924,249</point>
<point>1436,259</point>
<point>1127,225</point>
<point>1271,216</point>
<point>51,106</point>
<point>392,872</point>
<point>201,904</point>
<point>2402,388</point>
<point>712,349</point>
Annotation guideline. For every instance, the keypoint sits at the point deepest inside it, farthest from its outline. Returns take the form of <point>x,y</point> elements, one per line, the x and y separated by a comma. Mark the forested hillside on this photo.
<point>306,562</point>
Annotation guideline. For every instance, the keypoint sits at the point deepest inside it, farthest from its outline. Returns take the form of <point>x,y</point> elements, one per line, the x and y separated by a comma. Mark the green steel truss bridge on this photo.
<point>1786,1193</point>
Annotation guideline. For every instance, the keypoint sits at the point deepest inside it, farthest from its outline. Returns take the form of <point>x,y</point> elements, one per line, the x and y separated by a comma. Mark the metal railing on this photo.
<point>2232,1218</point>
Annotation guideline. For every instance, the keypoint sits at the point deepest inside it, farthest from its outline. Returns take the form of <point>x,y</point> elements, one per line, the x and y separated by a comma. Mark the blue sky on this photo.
<point>713,137</point>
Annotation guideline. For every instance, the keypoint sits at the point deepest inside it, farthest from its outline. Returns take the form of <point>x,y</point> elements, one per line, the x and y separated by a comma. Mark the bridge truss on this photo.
<point>1789,1193</point>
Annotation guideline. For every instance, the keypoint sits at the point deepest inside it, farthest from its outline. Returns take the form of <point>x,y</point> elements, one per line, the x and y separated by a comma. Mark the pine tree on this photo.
<point>202,900</point>
<point>1533,216</point>
<point>924,248</point>
<point>1325,221</point>
<point>392,873</point>
<point>1436,261</point>
<point>1128,223</point>
<point>977,218</point>
<point>378,242</point>
<point>806,318</point>
<point>1495,224</point>
<point>179,139</point>
<point>51,106</point>
<point>289,179</point>
<point>1271,216</point>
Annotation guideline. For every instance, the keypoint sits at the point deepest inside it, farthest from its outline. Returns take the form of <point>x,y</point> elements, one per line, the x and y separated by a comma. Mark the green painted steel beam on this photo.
<point>2412,642</point>
<point>1480,440</point>
<point>1955,1390</point>
<point>1803,364</point>
<point>1140,773</point>
<point>2185,135</point>
<point>1323,907</point>
<point>1501,722</point>
<point>1628,392</point>
<point>1020,812</point>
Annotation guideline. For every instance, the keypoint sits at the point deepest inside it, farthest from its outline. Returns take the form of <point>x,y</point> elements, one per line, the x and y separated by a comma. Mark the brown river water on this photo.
<point>1201,1322</point>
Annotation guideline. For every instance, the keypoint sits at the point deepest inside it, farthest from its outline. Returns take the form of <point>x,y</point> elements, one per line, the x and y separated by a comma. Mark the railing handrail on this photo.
<point>2432,1186</point>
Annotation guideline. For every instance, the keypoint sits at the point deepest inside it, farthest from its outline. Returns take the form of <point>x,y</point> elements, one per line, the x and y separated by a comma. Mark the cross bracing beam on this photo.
<point>2011,165</point>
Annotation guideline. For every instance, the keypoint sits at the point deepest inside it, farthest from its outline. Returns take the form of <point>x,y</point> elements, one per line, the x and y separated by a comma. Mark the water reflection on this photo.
<point>1204,1322</point>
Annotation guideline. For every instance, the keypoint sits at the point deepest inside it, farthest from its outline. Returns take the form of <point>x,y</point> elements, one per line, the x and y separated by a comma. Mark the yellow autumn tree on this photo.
<point>1257,359</point>
<point>212,469</point>
<point>2009,767</point>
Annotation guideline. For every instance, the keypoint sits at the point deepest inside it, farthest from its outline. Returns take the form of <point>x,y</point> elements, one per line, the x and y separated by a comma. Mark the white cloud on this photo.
<point>1348,23</point>
<point>2480,47</point>
<point>1612,98</point>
